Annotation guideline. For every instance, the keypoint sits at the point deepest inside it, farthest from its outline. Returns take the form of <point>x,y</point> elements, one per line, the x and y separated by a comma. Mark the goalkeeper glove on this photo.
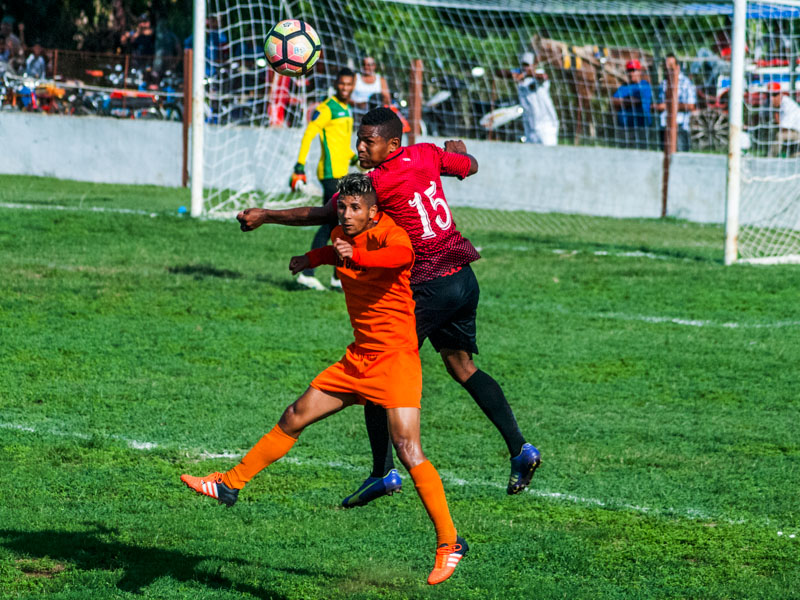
<point>298,175</point>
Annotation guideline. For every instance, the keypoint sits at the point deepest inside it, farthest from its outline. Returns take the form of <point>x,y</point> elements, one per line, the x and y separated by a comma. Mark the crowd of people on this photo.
<point>15,55</point>
<point>639,107</point>
<point>640,115</point>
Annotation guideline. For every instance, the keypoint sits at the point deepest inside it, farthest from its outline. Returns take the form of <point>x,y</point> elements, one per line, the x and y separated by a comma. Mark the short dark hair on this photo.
<point>388,123</point>
<point>357,184</point>
<point>345,72</point>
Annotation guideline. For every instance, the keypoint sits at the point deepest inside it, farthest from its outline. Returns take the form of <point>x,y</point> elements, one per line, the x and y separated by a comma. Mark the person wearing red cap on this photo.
<point>787,117</point>
<point>632,102</point>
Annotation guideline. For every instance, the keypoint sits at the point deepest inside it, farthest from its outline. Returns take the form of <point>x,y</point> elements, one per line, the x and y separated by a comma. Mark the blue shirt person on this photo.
<point>633,102</point>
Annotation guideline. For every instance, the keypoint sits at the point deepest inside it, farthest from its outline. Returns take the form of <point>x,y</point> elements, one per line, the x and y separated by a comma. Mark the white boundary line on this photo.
<point>689,513</point>
<point>100,209</point>
<point>690,322</point>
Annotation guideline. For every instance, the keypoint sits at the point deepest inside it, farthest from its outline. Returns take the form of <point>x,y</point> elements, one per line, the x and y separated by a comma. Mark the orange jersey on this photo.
<point>376,285</point>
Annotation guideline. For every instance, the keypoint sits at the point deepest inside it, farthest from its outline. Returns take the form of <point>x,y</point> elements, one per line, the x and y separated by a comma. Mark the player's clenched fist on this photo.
<point>250,218</point>
<point>299,263</point>
<point>343,249</point>
<point>455,146</point>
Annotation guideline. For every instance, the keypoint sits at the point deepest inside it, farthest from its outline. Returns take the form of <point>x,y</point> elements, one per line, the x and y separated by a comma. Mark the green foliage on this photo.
<point>659,384</point>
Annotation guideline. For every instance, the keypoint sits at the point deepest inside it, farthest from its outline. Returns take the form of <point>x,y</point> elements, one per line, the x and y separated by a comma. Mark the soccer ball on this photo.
<point>292,47</point>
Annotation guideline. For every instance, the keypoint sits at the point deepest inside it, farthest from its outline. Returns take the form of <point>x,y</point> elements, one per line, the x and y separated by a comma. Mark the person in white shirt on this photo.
<point>36,66</point>
<point>369,83</point>
<point>687,103</point>
<point>787,117</point>
<point>539,115</point>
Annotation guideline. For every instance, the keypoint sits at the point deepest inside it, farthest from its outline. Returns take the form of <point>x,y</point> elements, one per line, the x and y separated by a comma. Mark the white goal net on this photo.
<point>769,212</point>
<point>576,135</point>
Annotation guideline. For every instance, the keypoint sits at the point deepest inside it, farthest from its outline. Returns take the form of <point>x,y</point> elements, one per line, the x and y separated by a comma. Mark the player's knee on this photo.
<point>409,451</point>
<point>459,365</point>
<point>291,422</point>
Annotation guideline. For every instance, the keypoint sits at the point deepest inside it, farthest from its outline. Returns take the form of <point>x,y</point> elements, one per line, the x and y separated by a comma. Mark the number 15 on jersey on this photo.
<point>441,212</point>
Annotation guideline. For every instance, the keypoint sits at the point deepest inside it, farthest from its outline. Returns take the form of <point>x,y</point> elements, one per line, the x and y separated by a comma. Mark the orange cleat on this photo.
<point>447,559</point>
<point>212,486</point>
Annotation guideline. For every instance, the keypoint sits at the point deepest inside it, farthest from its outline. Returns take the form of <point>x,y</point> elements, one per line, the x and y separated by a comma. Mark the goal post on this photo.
<point>599,141</point>
<point>198,105</point>
<point>734,183</point>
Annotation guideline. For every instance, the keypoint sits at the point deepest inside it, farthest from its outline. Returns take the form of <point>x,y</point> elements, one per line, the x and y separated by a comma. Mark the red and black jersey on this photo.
<point>409,188</point>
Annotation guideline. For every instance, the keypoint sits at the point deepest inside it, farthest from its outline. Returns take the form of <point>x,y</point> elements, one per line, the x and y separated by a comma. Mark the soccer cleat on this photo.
<point>212,486</point>
<point>523,467</point>
<point>447,558</point>
<point>336,284</point>
<point>310,282</point>
<point>375,487</point>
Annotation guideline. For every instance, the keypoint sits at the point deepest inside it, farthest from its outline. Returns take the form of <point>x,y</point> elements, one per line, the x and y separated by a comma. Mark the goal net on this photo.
<point>769,212</point>
<point>565,143</point>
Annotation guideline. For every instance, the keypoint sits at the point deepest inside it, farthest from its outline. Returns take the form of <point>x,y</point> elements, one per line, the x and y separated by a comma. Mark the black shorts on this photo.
<point>446,310</point>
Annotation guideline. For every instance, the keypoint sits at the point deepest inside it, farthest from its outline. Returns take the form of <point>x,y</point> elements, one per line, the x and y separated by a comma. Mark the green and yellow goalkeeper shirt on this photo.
<point>332,121</point>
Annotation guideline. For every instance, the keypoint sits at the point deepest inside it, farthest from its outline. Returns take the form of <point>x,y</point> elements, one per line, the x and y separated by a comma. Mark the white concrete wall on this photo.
<point>96,149</point>
<point>586,180</point>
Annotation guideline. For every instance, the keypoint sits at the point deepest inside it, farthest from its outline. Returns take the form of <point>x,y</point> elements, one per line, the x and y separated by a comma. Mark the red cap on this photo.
<point>773,87</point>
<point>633,65</point>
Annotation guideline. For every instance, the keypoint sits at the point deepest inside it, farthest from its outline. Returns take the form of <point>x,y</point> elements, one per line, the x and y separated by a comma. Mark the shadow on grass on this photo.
<point>199,272</point>
<point>141,565</point>
<point>203,271</point>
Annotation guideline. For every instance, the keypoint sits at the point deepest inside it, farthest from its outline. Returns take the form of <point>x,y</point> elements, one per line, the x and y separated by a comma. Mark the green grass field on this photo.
<point>660,386</point>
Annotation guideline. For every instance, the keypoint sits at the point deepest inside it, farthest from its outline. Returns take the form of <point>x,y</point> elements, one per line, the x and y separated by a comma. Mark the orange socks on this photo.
<point>267,450</point>
<point>430,490</point>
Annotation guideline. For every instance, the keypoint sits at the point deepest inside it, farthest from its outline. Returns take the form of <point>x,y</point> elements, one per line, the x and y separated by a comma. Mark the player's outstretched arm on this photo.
<point>252,218</point>
<point>459,147</point>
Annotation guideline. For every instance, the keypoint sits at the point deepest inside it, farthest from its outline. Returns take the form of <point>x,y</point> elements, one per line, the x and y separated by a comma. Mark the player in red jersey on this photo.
<point>373,258</point>
<point>408,183</point>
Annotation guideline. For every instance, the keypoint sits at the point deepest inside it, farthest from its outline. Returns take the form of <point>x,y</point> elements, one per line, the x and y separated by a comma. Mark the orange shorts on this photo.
<point>390,379</point>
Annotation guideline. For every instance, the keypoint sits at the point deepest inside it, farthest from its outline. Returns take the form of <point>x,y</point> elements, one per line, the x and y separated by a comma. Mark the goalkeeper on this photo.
<point>332,121</point>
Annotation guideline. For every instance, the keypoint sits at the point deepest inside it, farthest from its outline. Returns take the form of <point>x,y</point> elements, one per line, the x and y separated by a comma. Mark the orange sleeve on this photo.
<point>322,256</point>
<point>391,256</point>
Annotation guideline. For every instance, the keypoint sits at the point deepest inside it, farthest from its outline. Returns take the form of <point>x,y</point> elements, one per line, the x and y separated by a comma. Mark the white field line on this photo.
<point>645,318</point>
<point>690,322</point>
<point>101,209</point>
<point>688,513</point>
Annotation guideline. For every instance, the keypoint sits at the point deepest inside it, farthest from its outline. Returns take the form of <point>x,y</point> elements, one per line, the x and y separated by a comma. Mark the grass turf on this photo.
<point>659,385</point>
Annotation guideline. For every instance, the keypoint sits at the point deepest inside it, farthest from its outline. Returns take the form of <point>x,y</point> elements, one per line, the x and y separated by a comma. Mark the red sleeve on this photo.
<point>390,256</point>
<point>322,256</point>
<point>457,165</point>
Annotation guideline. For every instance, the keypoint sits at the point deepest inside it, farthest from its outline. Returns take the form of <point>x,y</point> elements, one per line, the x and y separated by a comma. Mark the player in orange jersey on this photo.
<point>373,258</point>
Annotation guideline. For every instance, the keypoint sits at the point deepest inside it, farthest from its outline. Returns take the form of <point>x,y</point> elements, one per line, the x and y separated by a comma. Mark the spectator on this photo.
<point>167,47</point>
<point>36,66</point>
<point>539,117</point>
<point>216,45</point>
<point>371,89</point>
<point>787,117</point>
<point>142,41</point>
<point>687,103</point>
<point>632,102</point>
<point>13,43</point>
<point>15,59</point>
<point>4,55</point>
